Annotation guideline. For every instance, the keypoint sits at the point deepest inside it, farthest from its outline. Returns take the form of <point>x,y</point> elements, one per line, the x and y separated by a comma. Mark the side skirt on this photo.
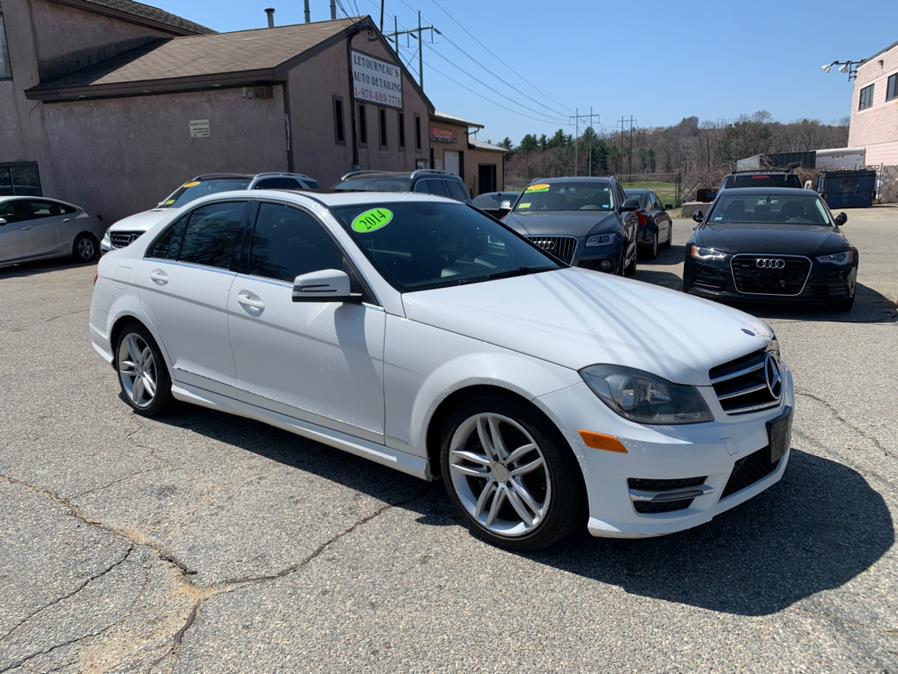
<point>386,456</point>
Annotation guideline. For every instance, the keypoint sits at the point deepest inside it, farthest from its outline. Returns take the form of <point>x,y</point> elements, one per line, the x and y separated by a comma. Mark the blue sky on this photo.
<point>657,60</point>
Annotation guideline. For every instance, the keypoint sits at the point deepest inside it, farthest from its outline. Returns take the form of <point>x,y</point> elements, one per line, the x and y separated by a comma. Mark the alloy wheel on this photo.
<point>137,370</point>
<point>86,248</point>
<point>499,474</point>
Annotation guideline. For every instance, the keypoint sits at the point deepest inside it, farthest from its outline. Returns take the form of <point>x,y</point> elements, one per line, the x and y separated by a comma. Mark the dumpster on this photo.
<point>847,189</point>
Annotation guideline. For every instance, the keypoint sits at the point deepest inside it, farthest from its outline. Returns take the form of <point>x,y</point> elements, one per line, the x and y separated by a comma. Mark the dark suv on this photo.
<point>427,181</point>
<point>761,178</point>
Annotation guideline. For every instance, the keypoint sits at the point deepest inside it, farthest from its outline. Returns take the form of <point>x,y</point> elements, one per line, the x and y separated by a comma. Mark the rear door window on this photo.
<point>211,234</point>
<point>168,245</point>
<point>432,187</point>
<point>456,190</point>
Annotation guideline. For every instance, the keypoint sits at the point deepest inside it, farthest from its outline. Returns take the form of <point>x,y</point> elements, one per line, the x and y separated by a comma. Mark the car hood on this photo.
<point>576,317</point>
<point>783,239</point>
<point>141,222</point>
<point>563,223</point>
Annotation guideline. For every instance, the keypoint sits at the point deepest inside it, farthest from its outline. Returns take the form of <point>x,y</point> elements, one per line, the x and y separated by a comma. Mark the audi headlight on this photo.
<point>646,398</point>
<point>707,254</point>
<point>836,258</point>
<point>600,240</point>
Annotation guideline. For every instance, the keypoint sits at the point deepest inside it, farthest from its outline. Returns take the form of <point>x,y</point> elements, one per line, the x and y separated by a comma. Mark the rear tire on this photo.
<point>650,252</point>
<point>669,241</point>
<point>86,248</point>
<point>492,482</point>
<point>142,373</point>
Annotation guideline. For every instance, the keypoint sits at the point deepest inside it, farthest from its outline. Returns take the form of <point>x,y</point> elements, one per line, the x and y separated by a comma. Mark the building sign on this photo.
<point>438,135</point>
<point>199,128</point>
<point>376,81</point>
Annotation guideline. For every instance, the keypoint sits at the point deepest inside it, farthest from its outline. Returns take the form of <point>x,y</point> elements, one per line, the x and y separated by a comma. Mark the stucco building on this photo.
<point>454,147</point>
<point>112,103</point>
<point>874,109</point>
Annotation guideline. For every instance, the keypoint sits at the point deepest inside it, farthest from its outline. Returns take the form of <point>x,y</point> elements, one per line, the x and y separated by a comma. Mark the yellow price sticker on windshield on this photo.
<point>192,183</point>
<point>169,202</point>
<point>525,204</point>
<point>541,187</point>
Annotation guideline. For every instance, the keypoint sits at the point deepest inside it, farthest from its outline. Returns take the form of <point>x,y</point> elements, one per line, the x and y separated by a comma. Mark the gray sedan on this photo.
<point>34,228</point>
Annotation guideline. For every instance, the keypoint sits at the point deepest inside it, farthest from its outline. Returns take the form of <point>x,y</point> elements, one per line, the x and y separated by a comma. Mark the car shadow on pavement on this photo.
<point>672,255</point>
<point>818,528</point>
<point>664,279</point>
<point>870,306</point>
<point>41,266</point>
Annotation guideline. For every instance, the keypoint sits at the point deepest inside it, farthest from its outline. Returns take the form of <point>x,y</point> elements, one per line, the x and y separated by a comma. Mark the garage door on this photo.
<point>452,161</point>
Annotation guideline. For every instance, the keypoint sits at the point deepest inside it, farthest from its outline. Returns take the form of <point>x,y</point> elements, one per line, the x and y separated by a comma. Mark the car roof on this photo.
<point>573,179</point>
<point>32,197</point>
<point>328,199</point>
<point>778,191</point>
<point>224,176</point>
<point>763,172</point>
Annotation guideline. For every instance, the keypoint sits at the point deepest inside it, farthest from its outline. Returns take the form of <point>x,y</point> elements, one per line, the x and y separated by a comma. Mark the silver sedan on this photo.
<point>34,228</point>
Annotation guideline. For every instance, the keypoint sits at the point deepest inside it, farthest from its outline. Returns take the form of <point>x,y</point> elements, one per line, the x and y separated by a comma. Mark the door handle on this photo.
<point>25,229</point>
<point>159,277</point>
<point>66,219</point>
<point>250,301</point>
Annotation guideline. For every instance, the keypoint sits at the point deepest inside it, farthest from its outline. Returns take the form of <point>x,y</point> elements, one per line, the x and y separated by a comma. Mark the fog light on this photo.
<point>606,265</point>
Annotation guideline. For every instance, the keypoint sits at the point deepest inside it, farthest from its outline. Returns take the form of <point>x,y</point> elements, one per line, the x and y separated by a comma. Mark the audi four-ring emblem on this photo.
<point>770,263</point>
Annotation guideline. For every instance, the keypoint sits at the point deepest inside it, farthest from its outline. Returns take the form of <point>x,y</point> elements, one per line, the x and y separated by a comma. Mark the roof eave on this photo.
<point>151,87</point>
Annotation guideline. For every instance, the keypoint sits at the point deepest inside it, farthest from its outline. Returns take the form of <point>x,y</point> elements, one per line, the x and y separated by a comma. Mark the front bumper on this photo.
<point>669,453</point>
<point>715,281</point>
<point>604,258</point>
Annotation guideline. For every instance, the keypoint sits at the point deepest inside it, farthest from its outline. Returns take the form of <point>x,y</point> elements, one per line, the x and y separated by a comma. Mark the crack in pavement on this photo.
<point>78,589</point>
<point>837,415</point>
<point>28,326</point>
<point>200,594</point>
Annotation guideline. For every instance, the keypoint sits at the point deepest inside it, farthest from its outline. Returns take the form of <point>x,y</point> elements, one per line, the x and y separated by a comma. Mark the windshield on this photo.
<point>200,188</point>
<point>764,180</point>
<point>778,209</point>
<point>418,245</point>
<point>375,184</point>
<point>566,196</point>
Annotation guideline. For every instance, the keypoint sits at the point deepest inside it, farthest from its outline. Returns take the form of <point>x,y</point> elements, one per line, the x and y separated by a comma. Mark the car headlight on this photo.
<point>107,239</point>
<point>836,258</point>
<point>600,240</point>
<point>707,254</point>
<point>646,398</point>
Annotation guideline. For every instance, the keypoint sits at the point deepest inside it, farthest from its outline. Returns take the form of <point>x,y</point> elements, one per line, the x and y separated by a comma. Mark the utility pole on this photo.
<point>622,121</point>
<point>333,10</point>
<point>418,34</point>
<point>590,117</point>
<point>382,15</point>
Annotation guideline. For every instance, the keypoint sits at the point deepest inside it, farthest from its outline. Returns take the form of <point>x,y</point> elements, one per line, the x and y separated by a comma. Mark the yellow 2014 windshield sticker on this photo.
<point>524,204</point>
<point>540,187</point>
<point>192,183</point>
<point>372,220</point>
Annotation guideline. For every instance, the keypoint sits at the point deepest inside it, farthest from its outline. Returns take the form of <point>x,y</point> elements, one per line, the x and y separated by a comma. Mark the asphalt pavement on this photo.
<point>203,542</point>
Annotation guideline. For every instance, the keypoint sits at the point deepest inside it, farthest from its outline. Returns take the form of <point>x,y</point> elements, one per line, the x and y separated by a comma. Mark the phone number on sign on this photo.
<point>378,96</point>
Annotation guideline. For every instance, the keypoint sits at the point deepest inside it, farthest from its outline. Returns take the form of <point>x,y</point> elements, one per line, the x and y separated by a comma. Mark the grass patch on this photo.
<point>667,192</point>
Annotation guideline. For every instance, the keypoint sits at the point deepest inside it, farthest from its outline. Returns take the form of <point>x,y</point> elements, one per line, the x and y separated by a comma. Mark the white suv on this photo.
<point>421,334</point>
<point>127,230</point>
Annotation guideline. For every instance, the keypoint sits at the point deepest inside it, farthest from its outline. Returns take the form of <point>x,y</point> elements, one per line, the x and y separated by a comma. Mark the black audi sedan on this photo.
<point>771,244</point>
<point>586,222</point>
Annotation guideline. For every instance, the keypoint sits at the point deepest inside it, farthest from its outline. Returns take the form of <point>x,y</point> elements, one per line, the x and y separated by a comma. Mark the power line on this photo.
<point>496,56</point>
<point>496,91</point>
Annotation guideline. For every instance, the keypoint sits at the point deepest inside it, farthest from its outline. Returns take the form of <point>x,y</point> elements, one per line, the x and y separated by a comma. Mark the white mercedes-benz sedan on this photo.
<point>421,334</point>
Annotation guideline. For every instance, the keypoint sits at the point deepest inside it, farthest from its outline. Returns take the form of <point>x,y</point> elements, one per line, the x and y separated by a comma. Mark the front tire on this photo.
<point>142,373</point>
<point>510,473</point>
<point>630,271</point>
<point>85,248</point>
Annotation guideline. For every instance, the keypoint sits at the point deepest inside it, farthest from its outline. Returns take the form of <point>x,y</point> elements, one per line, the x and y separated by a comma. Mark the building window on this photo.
<point>402,130</point>
<point>5,69</point>
<point>892,87</point>
<point>20,180</point>
<point>418,132</point>
<point>866,99</point>
<point>363,126</point>
<point>382,123</point>
<point>339,130</point>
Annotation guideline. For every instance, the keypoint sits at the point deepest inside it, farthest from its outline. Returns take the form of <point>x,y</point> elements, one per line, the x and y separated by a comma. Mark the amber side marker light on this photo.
<point>609,443</point>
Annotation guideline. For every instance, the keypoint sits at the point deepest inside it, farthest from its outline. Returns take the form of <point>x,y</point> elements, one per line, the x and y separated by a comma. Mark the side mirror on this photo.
<point>630,205</point>
<point>841,219</point>
<point>698,216</point>
<point>327,285</point>
<point>667,207</point>
<point>2,222</point>
<point>505,205</point>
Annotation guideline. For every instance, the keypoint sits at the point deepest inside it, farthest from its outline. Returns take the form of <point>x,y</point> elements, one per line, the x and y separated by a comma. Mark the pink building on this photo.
<point>874,108</point>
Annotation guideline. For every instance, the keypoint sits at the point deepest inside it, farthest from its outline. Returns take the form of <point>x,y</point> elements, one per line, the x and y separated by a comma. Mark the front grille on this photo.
<point>652,507</point>
<point>777,275</point>
<point>122,239</point>
<point>741,385</point>
<point>748,470</point>
<point>562,247</point>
